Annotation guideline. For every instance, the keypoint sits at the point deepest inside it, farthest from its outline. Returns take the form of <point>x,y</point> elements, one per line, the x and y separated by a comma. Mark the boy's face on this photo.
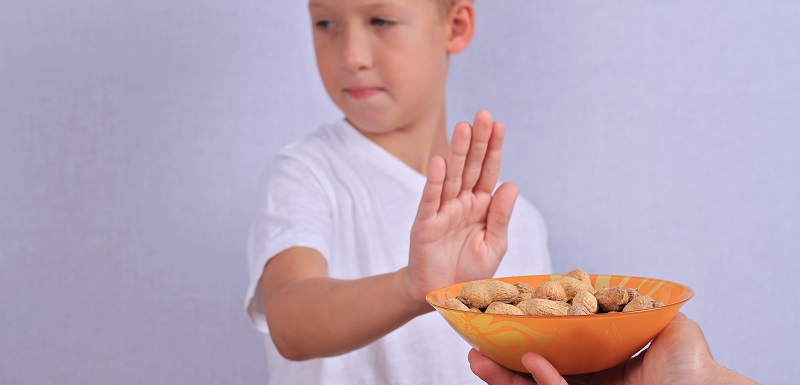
<point>383,62</point>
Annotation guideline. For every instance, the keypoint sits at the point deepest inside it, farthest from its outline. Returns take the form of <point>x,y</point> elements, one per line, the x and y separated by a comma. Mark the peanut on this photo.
<point>526,291</point>
<point>503,308</point>
<point>612,298</point>
<point>540,306</point>
<point>641,302</point>
<point>578,310</point>
<point>455,304</point>
<point>572,286</point>
<point>632,293</point>
<point>580,275</point>
<point>587,300</point>
<point>480,294</point>
<point>551,290</point>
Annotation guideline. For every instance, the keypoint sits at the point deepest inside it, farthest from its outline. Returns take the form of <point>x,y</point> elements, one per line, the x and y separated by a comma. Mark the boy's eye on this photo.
<point>323,24</point>
<point>378,22</point>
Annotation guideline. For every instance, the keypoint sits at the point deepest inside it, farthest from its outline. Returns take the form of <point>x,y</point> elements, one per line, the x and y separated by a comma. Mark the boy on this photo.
<point>335,281</point>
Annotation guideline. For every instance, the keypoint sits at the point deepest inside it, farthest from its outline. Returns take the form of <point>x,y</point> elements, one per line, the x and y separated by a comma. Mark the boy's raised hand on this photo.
<point>461,229</point>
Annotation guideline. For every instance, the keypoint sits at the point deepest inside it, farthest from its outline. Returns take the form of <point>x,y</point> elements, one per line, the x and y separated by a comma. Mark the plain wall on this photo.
<point>659,139</point>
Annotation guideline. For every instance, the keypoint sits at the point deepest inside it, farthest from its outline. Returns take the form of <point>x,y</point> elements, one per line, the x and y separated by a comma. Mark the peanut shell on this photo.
<point>480,294</point>
<point>641,302</point>
<point>526,291</point>
<point>455,304</point>
<point>587,300</point>
<point>551,290</point>
<point>611,298</point>
<point>475,294</point>
<point>540,306</point>
<point>572,286</point>
<point>503,308</point>
<point>632,293</point>
<point>580,275</point>
<point>578,310</point>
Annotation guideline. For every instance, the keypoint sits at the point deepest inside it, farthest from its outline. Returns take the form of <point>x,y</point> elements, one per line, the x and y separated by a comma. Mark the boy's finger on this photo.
<point>432,192</point>
<point>498,217</point>
<point>490,172</point>
<point>459,147</point>
<point>481,133</point>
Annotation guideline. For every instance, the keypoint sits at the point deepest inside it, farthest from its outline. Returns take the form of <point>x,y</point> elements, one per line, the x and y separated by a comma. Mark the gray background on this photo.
<point>658,138</point>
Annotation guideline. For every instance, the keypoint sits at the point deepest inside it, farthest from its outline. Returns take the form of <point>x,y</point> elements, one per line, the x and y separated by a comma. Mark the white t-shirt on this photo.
<point>343,195</point>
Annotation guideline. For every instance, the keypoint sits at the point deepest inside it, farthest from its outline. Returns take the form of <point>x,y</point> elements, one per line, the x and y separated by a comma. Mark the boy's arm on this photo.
<point>459,234</point>
<point>312,315</point>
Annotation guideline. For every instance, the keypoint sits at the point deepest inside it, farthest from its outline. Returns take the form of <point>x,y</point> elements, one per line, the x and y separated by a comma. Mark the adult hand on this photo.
<point>678,355</point>
<point>461,229</point>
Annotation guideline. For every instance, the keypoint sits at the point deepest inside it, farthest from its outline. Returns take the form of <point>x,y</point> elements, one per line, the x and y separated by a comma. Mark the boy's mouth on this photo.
<point>362,93</point>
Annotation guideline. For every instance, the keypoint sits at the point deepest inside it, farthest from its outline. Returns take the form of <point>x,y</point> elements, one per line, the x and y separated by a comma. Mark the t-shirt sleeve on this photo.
<point>293,210</point>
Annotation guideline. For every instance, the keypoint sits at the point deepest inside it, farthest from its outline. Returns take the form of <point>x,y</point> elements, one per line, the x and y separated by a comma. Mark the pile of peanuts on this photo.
<point>572,294</point>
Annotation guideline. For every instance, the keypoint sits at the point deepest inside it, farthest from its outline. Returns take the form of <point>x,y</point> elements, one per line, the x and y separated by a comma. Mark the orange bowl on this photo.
<point>573,344</point>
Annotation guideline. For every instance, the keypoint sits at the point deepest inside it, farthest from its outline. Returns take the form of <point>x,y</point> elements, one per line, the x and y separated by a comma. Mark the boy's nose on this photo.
<point>356,54</point>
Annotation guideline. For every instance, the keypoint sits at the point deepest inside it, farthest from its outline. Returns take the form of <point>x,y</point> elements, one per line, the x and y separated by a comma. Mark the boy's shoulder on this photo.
<point>321,151</point>
<point>319,142</point>
<point>334,154</point>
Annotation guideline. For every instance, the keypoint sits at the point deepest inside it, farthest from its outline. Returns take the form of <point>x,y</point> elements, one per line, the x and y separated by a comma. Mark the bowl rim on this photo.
<point>687,295</point>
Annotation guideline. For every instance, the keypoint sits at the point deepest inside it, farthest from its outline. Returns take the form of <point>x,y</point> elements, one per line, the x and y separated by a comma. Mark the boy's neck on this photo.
<point>416,144</point>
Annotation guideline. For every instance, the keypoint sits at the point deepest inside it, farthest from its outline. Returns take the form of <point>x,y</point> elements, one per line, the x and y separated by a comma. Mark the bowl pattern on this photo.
<point>573,344</point>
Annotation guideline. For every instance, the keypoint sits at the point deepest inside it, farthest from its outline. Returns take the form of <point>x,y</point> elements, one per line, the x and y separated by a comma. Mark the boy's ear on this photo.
<point>461,23</point>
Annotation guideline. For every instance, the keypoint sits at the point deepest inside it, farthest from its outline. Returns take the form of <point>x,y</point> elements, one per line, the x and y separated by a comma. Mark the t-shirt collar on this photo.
<point>372,152</point>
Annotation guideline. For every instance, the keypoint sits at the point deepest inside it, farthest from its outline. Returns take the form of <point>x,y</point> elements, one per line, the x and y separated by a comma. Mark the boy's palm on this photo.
<point>460,232</point>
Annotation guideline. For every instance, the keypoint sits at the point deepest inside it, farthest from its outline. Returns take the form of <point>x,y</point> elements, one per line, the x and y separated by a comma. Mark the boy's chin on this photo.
<point>371,124</point>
